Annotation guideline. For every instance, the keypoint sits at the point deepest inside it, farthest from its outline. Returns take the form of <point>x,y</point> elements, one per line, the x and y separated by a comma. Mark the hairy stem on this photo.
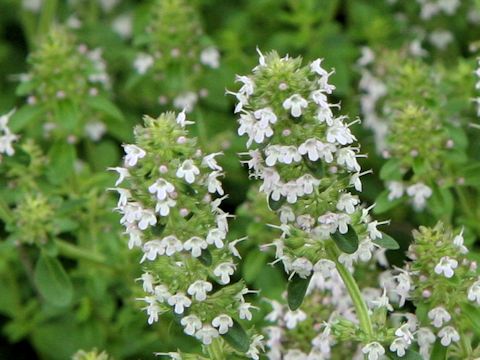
<point>353,290</point>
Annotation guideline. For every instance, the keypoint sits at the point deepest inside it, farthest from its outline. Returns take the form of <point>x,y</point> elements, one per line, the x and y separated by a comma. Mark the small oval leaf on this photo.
<point>409,355</point>
<point>274,205</point>
<point>52,281</point>
<point>387,242</point>
<point>205,257</point>
<point>237,338</point>
<point>347,242</point>
<point>297,288</point>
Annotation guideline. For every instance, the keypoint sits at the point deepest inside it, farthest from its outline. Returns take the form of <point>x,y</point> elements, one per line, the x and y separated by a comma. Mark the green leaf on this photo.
<point>253,265</point>
<point>205,257</point>
<point>237,338</point>
<point>472,315</point>
<point>409,355</point>
<point>105,106</point>
<point>297,288</point>
<point>387,242</point>
<point>274,205</point>
<point>62,158</point>
<point>382,204</point>
<point>347,242</point>
<point>391,170</point>
<point>439,352</point>
<point>24,116</point>
<point>52,281</point>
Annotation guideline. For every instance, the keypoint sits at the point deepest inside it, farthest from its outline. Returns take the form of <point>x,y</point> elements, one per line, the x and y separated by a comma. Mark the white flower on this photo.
<point>292,318</point>
<point>382,301</point>
<point>135,237</point>
<point>474,292</point>
<point>213,184</point>
<point>316,67</point>
<point>302,267</point>
<point>180,301</point>
<point>320,98</point>
<point>186,101</point>
<point>133,153</point>
<point>447,335</point>
<point>403,286</point>
<point>244,311</point>
<point>404,333</point>
<point>125,195</point>
<point>216,236</point>
<point>342,221</point>
<point>395,190</point>
<point>425,339</point>
<point>147,218</point>
<point>346,157</point>
<point>347,202</point>
<point>223,323</point>
<point>286,214</point>
<point>339,133</point>
<point>199,289</point>
<point>148,281</point>
<point>181,119</point>
<point>420,193</point>
<point>210,57</point>
<point>458,242</point>
<point>329,221</point>
<point>161,293</point>
<point>265,116</point>
<point>153,310</point>
<point>248,85</point>
<point>256,344</point>
<point>446,265</point>
<point>399,346</point>
<point>439,316</point>
<point>373,350</point>
<point>295,104</point>
<point>315,149</point>
<point>191,324</point>
<point>188,171</point>
<point>162,188</point>
<point>122,174</point>
<point>172,245</point>
<point>206,334</point>
<point>142,63</point>
<point>210,162</point>
<point>224,271</point>
<point>195,244</point>
<point>163,206</point>
<point>95,130</point>
<point>151,249</point>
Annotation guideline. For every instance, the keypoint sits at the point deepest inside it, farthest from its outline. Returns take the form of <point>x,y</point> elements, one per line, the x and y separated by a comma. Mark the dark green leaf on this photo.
<point>297,288</point>
<point>52,281</point>
<point>205,257</point>
<point>237,338</point>
<point>274,205</point>
<point>347,242</point>
<point>409,355</point>
<point>387,242</point>
<point>439,352</point>
<point>24,116</point>
<point>254,262</point>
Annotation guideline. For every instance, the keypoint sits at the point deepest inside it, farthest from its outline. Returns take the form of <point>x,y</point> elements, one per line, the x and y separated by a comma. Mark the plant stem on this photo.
<point>215,350</point>
<point>465,345</point>
<point>74,252</point>
<point>49,9</point>
<point>353,290</point>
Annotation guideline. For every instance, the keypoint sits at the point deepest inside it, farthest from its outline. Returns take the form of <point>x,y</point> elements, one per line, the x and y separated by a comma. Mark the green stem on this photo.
<point>465,345</point>
<point>215,350</point>
<point>353,290</point>
<point>49,9</point>
<point>74,252</point>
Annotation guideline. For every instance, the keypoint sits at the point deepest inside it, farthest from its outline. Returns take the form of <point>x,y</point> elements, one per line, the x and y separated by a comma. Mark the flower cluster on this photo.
<point>169,212</point>
<point>420,154</point>
<point>175,53</point>
<point>6,136</point>
<point>308,162</point>
<point>441,279</point>
<point>63,85</point>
